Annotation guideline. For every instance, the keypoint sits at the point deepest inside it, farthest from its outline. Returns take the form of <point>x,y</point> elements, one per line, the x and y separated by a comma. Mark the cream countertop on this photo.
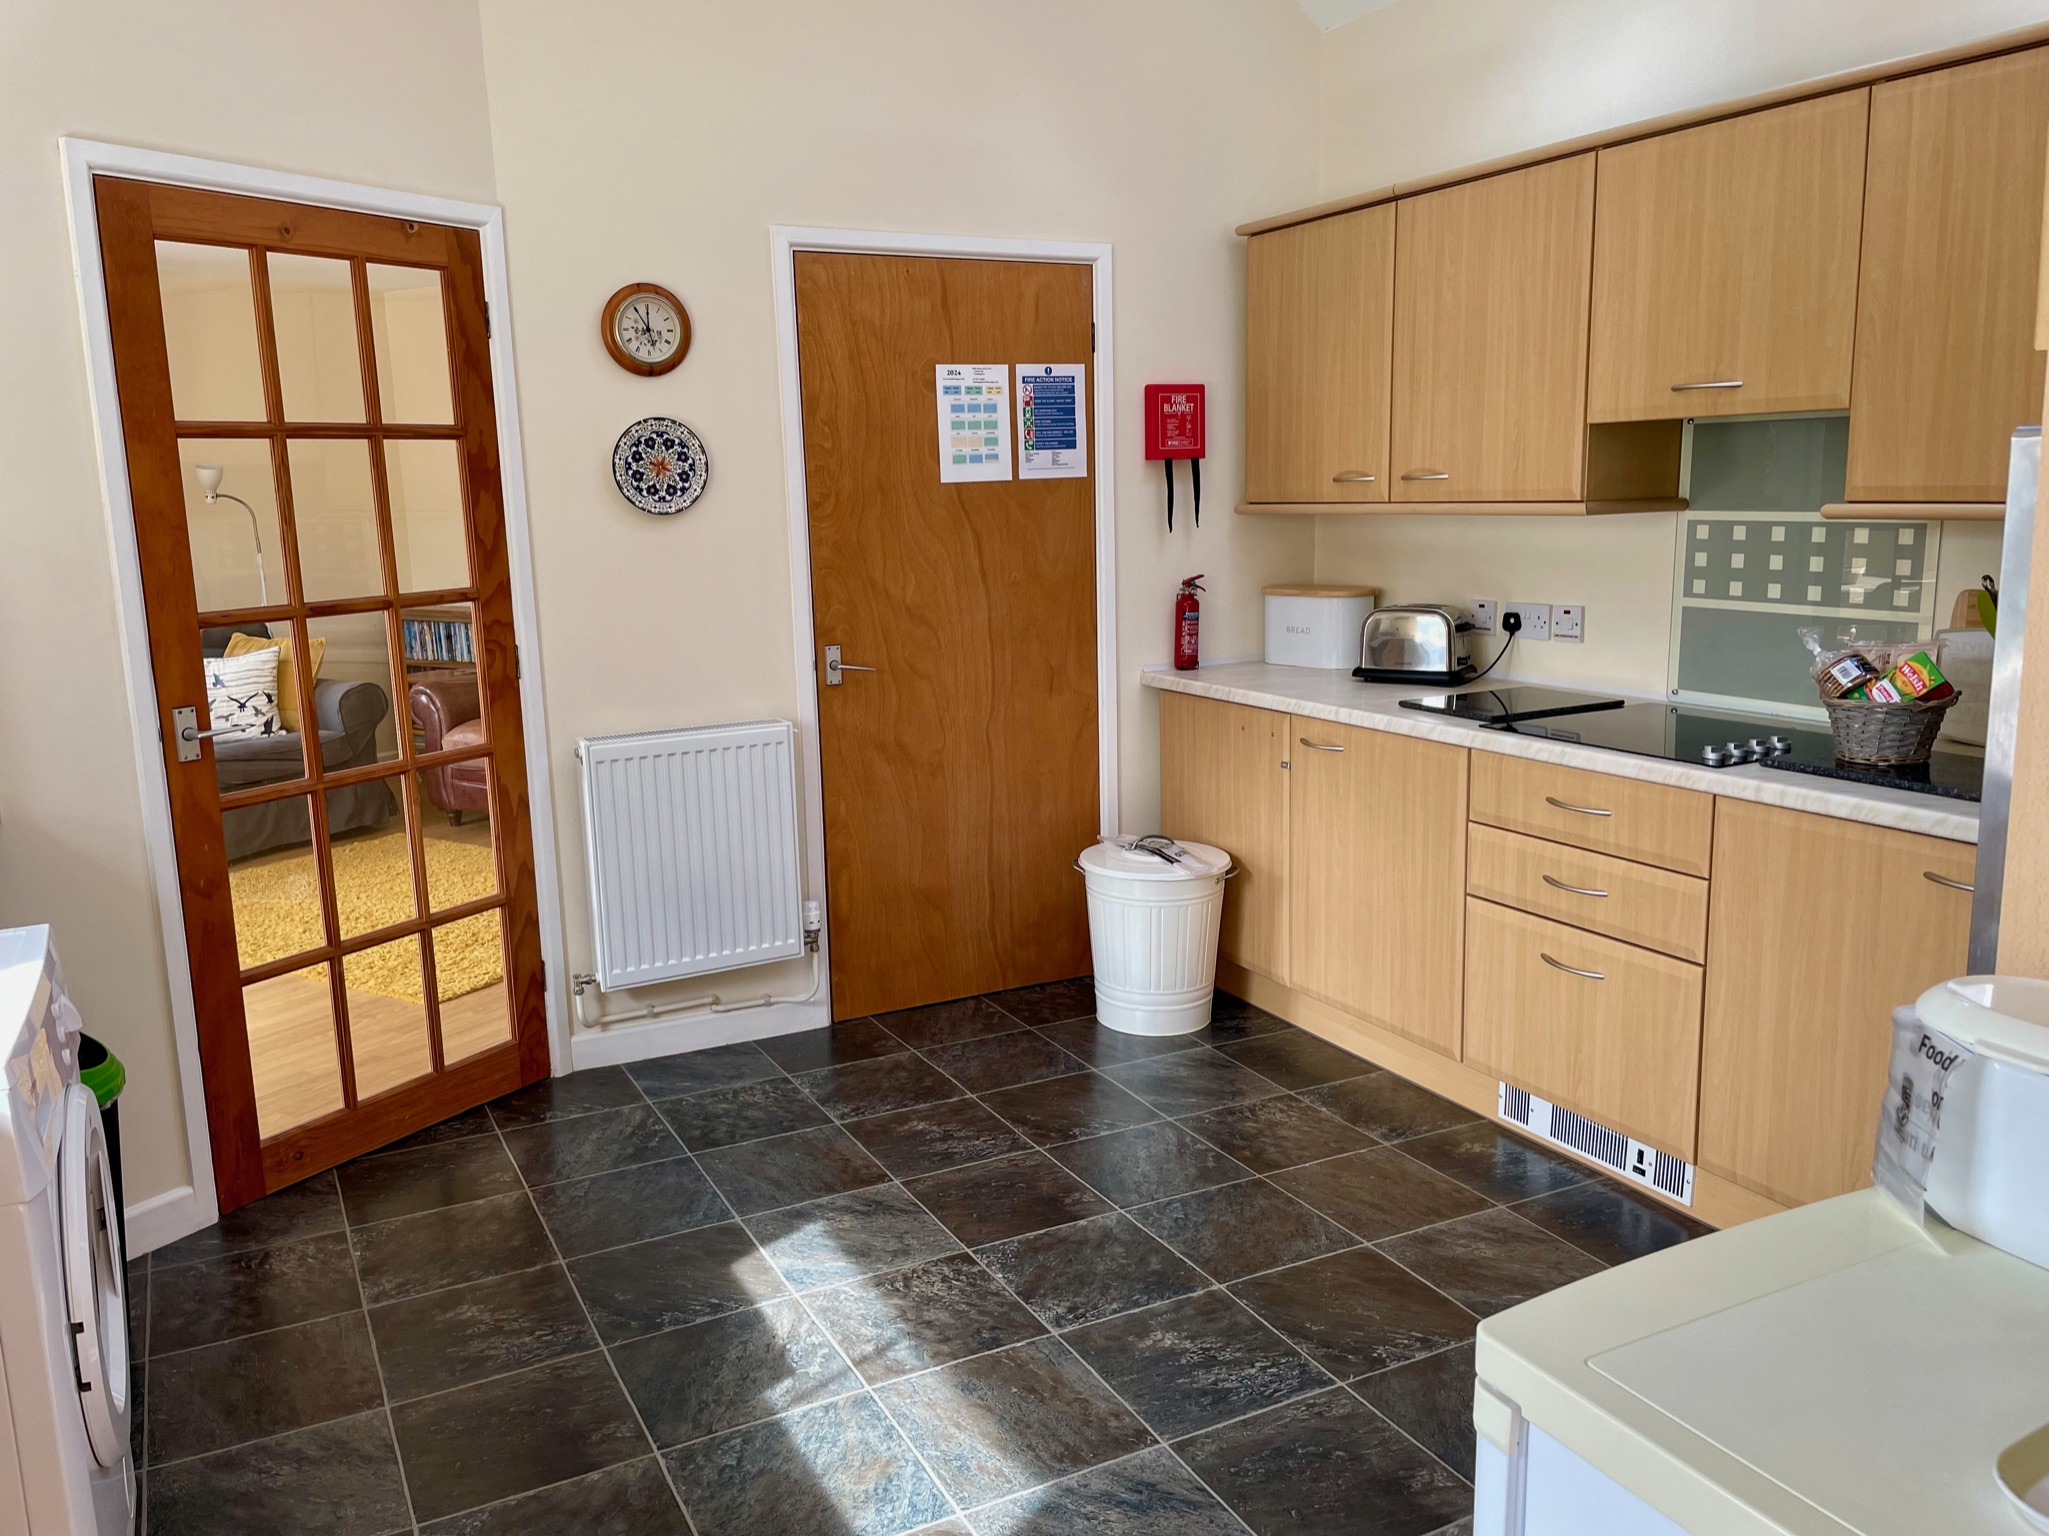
<point>1342,698</point>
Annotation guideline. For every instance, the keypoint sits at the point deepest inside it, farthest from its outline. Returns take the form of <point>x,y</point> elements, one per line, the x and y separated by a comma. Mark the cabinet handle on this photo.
<point>1584,810</point>
<point>1318,746</point>
<point>1571,970</point>
<point>1352,477</point>
<point>1577,890</point>
<point>1947,883</point>
<point>1708,384</point>
<point>1427,474</point>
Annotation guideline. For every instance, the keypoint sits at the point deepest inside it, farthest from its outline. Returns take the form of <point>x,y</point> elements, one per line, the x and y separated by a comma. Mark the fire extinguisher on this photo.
<point>1187,618</point>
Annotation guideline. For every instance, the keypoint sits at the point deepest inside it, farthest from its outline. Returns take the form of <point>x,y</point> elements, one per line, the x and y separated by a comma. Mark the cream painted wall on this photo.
<point>1151,124</point>
<point>389,92</point>
<point>1424,86</point>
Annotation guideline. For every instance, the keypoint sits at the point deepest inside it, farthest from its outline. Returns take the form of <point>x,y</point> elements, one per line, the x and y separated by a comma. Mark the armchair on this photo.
<point>446,709</point>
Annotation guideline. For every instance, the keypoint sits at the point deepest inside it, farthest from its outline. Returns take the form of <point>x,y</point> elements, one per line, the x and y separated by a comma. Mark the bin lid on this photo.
<point>1184,861</point>
<point>2004,1017</point>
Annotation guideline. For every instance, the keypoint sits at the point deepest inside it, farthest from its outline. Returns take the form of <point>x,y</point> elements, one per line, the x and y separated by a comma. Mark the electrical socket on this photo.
<point>1536,619</point>
<point>1568,621</point>
<point>1482,610</point>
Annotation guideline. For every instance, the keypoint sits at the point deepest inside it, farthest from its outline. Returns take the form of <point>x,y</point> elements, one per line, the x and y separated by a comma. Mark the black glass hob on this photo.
<point>1508,706</point>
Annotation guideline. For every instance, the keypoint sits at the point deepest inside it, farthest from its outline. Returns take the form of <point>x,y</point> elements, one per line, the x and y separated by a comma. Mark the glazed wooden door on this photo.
<point>1224,781</point>
<point>1319,301</point>
<point>1725,265</point>
<point>1946,366</point>
<point>1490,337</point>
<point>960,763</point>
<point>312,460</point>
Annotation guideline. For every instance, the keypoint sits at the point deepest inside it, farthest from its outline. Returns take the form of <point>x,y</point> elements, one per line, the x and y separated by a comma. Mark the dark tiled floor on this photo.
<point>978,1269</point>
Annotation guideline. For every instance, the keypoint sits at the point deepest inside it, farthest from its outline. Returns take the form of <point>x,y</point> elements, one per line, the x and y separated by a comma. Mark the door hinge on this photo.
<point>544,975</point>
<point>487,319</point>
<point>517,672</point>
<point>1092,338</point>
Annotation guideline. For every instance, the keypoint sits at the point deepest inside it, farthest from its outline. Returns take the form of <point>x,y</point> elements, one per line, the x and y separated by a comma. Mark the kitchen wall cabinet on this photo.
<point>1818,928</point>
<point>1490,337</point>
<point>1224,781</point>
<point>1377,875</point>
<point>1606,1029</point>
<point>1946,366</point>
<point>1725,265</point>
<point>1319,301</point>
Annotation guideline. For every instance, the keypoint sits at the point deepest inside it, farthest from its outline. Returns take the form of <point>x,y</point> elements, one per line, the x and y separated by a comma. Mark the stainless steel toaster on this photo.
<point>1416,643</point>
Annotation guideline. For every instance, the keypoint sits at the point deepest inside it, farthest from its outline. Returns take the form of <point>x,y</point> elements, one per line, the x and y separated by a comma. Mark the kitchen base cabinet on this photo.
<point>1377,876</point>
<point>1603,1028</point>
<point>1224,781</point>
<point>1817,929</point>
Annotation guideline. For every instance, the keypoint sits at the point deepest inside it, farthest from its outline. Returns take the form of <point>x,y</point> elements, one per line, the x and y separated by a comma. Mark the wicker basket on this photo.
<point>1886,735</point>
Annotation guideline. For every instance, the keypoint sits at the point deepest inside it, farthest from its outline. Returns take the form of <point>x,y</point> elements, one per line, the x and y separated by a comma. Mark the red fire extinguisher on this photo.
<point>1187,618</point>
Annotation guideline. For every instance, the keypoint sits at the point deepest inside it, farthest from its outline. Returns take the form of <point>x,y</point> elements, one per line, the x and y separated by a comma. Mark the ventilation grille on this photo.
<point>1629,1157</point>
<point>691,845</point>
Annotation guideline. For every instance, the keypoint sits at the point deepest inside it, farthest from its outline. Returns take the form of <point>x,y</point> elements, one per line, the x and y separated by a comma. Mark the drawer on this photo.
<point>1636,903</point>
<point>1649,823</point>
<point>1615,1037</point>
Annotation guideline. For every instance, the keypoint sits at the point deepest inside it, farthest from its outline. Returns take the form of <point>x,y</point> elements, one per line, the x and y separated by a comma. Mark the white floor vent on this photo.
<point>1629,1157</point>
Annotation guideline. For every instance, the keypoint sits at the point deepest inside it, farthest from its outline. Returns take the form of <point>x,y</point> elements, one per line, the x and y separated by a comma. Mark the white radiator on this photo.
<point>690,837</point>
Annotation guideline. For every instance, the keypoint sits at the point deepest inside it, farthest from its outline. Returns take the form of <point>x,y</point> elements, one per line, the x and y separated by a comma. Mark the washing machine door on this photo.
<point>94,1276</point>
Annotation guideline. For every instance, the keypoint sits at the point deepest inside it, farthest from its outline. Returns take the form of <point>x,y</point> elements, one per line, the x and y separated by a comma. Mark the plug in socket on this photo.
<point>1482,610</point>
<point>1568,621</point>
<point>1536,619</point>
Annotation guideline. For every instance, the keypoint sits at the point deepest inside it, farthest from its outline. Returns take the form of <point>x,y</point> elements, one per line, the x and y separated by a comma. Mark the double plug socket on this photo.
<point>1540,621</point>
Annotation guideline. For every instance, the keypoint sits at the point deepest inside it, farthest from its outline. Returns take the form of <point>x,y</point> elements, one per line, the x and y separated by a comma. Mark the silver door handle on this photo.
<point>1427,474</point>
<point>1577,890</point>
<point>187,735</point>
<point>834,667</point>
<point>1571,970</point>
<point>193,733</point>
<point>1584,810</point>
<point>1351,477</point>
<point>1947,883</point>
<point>1318,746</point>
<point>1708,384</point>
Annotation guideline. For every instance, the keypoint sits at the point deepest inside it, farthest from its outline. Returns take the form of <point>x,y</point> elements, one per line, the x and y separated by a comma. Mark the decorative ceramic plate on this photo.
<point>659,465</point>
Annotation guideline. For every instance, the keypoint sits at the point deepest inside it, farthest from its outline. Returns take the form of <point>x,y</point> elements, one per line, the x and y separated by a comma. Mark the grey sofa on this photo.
<point>347,715</point>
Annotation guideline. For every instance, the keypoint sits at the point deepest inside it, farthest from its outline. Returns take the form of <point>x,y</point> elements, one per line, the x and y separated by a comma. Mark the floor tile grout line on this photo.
<point>405,1486</point>
<point>1401,1429</point>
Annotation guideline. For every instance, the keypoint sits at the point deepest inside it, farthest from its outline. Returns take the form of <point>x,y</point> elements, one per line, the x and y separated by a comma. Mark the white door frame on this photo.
<point>168,1216</point>
<point>785,241</point>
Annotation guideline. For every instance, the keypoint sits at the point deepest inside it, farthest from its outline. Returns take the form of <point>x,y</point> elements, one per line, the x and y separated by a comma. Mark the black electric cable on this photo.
<point>1512,623</point>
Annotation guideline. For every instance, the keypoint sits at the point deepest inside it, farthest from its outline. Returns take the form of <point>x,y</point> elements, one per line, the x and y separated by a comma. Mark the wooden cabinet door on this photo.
<point>1725,265</point>
<point>1223,781</point>
<point>1319,301</point>
<point>1817,930</point>
<point>1946,363</point>
<point>1376,876</point>
<point>1490,337</point>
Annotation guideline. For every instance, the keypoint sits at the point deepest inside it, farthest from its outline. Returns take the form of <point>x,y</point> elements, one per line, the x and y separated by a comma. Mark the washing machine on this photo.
<point>65,1468</point>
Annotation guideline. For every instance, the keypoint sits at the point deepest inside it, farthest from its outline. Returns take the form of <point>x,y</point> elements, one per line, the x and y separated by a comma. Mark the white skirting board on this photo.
<point>618,1043</point>
<point>162,1219</point>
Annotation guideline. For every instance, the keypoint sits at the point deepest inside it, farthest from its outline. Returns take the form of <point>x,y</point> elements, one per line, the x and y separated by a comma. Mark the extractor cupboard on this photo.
<point>1506,340</point>
<point>1710,976</point>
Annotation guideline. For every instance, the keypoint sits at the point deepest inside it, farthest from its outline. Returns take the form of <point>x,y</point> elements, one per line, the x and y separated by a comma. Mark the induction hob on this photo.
<point>1505,706</point>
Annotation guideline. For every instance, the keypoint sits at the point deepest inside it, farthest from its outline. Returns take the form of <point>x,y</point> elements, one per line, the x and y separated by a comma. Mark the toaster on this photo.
<point>1415,643</point>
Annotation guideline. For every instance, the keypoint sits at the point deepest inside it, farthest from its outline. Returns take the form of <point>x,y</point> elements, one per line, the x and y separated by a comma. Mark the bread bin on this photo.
<point>1316,626</point>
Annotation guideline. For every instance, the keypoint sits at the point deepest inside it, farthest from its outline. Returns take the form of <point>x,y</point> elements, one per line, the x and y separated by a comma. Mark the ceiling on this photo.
<point>1335,13</point>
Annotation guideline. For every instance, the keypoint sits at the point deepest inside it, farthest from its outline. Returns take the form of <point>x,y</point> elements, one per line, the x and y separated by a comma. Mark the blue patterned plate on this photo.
<point>660,465</point>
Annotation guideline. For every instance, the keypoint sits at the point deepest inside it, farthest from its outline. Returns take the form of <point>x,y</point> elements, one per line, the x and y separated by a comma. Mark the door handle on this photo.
<point>834,667</point>
<point>1948,884</point>
<point>1584,810</point>
<point>1578,890</point>
<point>1571,970</point>
<point>187,735</point>
<point>1427,474</point>
<point>1708,384</point>
<point>1319,746</point>
<point>1351,477</point>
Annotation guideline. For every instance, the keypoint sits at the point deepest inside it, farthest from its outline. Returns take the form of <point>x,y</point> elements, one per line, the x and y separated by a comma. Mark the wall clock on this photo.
<point>646,329</point>
<point>659,465</point>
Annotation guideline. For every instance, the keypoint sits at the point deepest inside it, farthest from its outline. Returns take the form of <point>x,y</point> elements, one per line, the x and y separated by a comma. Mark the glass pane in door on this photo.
<point>238,557</point>
<point>469,978</point>
<point>274,878</point>
<point>210,331</point>
<point>455,833</point>
<point>334,517</point>
<point>293,1053</point>
<point>313,303</point>
<point>370,857</point>
<point>429,535</point>
<point>354,692</point>
<point>410,335</point>
<point>387,998</point>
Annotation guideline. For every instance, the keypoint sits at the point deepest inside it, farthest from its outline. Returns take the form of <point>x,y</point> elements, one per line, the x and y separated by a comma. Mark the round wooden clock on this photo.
<point>646,329</point>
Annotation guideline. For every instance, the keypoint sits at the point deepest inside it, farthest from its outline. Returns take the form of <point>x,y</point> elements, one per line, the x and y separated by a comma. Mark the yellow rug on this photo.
<point>277,913</point>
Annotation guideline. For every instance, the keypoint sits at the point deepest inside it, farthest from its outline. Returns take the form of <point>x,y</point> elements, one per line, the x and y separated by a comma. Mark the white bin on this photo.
<point>1153,929</point>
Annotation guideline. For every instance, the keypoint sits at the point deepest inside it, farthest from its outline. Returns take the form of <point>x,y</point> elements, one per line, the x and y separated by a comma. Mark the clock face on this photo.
<point>648,328</point>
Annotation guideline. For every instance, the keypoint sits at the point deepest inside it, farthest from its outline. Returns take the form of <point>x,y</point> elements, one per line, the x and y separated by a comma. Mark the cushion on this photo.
<point>241,694</point>
<point>469,734</point>
<point>287,674</point>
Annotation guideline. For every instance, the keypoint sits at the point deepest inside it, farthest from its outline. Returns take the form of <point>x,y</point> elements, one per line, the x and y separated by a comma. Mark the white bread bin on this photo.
<point>1308,626</point>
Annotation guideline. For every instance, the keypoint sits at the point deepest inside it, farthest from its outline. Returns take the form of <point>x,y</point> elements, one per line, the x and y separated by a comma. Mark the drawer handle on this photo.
<point>1319,746</point>
<point>1571,970</point>
<point>1584,810</point>
<point>1708,384</point>
<point>1577,890</point>
<point>1947,883</point>
<point>1428,474</point>
<point>1352,477</point>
